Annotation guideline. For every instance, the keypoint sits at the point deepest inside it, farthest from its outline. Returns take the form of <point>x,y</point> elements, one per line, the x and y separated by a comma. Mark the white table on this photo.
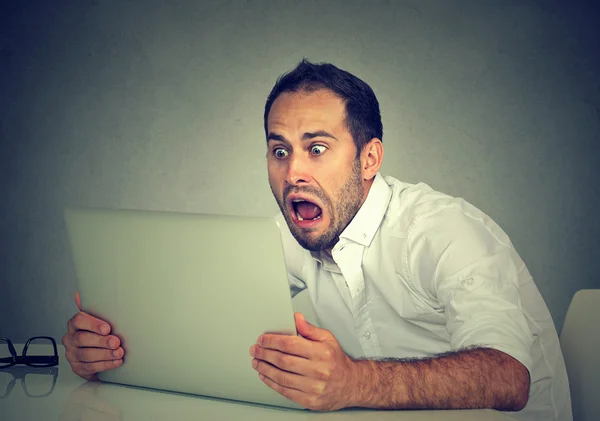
<point>76,399</point>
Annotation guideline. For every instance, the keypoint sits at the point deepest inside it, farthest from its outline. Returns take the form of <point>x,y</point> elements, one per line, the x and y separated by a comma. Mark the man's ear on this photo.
<point>371,158</point>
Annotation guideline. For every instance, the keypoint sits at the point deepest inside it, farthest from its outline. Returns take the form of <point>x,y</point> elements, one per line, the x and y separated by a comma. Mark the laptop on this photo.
<point>188,294</point>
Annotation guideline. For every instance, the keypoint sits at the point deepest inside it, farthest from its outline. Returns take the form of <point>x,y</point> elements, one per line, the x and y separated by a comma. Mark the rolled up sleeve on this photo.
<point>466,265</point>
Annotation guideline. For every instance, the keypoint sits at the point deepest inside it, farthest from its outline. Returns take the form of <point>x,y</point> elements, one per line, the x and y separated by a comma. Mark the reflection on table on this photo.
<point>57,394</point>
<point>36,382</point>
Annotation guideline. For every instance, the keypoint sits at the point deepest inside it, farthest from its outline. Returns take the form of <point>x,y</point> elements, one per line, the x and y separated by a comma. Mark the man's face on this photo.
<point>313,170</point>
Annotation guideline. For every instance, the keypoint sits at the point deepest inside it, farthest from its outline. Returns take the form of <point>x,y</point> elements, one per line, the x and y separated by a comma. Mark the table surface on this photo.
<point>73,398</point>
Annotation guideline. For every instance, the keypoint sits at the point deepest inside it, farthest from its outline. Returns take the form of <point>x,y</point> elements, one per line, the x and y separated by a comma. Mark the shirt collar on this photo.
<point>367,220</point>
<point>365,223</point>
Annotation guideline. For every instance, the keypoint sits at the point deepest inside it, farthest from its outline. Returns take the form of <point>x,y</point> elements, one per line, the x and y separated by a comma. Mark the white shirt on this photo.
<point>417,273</point>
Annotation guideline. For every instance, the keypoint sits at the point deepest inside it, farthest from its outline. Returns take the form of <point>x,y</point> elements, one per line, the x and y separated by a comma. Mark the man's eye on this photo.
<point>317,149</point>
<point>280,153</point>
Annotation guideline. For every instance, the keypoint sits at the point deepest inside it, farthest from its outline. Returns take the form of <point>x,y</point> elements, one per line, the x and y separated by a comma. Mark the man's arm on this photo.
<point>465,266</point>
<point>314,371</point>
<point>473,378</point>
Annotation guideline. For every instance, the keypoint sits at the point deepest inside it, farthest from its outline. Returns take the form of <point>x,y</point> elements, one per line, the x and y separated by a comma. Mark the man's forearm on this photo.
<point>474,378</point>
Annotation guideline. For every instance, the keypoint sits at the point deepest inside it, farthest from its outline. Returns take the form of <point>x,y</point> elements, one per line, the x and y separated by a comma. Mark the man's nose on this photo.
<point>298,171</point>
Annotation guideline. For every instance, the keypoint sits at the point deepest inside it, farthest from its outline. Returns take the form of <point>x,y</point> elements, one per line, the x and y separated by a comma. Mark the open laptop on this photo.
<point>188,294</point>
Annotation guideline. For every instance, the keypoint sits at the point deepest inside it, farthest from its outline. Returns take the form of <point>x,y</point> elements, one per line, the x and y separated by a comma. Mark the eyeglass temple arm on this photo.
<point>11,347</point>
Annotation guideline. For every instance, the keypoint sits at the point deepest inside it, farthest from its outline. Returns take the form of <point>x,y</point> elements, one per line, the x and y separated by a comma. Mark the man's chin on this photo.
<point>314,237</point>
<point>313,242</point>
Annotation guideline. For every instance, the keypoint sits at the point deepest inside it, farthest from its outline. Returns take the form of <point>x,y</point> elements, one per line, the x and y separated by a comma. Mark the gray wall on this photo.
<point>158,105</point>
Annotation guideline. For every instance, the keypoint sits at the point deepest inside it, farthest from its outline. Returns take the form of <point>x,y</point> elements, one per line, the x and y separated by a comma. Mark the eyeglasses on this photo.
<point>29,360</point>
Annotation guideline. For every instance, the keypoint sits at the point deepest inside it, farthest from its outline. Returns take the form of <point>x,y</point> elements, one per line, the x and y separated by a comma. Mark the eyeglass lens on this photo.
<point>39,347</point>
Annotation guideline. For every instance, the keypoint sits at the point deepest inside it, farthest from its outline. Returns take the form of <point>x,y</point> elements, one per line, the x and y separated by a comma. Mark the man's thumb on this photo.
<point>309,331</point>
<point>78,300</point>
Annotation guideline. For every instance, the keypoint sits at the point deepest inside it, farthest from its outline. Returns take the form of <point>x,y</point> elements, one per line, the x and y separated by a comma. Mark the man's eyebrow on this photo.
<point>275,136</point>
<point>305,136</point>
<point>318,133</point>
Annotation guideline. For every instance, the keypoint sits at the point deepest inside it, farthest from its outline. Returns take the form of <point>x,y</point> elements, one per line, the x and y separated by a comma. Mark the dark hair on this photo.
<point>363,118</point>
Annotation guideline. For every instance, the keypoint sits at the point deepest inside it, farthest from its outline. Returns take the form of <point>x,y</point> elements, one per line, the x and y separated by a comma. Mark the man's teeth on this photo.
<point>302,219</point>
<point>298,215</point>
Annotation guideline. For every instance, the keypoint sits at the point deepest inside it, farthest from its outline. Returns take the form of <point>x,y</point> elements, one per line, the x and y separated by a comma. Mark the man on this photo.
<point>422,300</point>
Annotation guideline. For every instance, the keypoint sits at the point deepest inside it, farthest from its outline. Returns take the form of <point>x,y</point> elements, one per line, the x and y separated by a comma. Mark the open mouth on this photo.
<point>306,211</point>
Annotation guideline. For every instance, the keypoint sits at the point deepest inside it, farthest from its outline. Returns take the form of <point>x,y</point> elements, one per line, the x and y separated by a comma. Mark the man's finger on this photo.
<point>92,355</point>
<point>288,344</point>
<point>78,300</point>
<point>85,339</point>
<point>310,331</point>
<point>287,362</point>
<point>84,321</point>
<point>292,394</point>
<point>286,379</point>
<point>82,368</point>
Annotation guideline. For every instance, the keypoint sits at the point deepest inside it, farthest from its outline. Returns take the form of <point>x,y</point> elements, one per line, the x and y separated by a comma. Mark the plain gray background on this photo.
<point>159,104</point>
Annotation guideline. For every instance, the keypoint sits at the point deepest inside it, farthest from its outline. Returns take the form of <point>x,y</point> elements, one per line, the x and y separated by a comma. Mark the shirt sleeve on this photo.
<point>466,264</point>
<point>296,285</point>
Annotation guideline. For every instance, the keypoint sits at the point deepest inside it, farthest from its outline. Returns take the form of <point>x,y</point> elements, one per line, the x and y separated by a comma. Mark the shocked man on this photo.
<point>421,298</point>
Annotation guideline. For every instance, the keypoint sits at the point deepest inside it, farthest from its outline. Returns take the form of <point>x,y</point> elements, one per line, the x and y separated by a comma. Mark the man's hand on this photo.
<point>311,370</point>
<point>89,347</point>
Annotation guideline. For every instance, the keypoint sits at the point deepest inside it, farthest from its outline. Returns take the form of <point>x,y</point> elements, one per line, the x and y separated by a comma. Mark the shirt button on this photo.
<point>366,334</point>
<point>364,235</point>
<point>470,281</point>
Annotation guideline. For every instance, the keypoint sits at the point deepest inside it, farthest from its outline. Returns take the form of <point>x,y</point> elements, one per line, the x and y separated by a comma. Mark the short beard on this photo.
<point>347,203</point>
